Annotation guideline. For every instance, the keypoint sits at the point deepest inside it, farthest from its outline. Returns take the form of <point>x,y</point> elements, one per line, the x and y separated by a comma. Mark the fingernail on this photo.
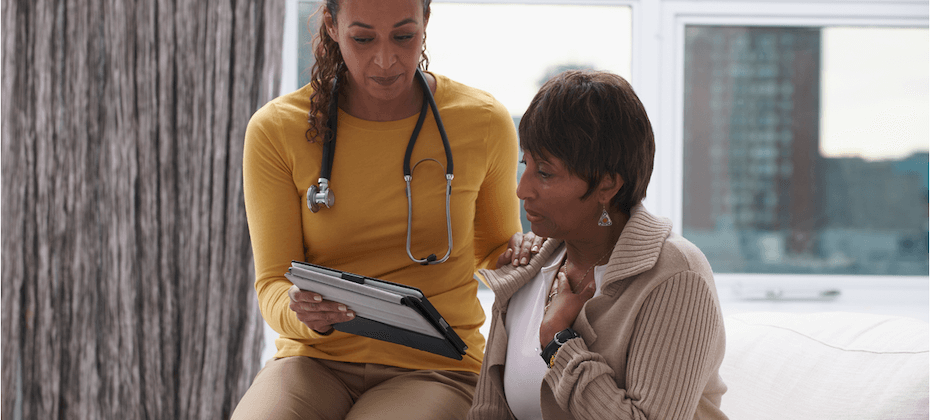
<point>317,298</point>
<point>350,315</point>
<point>523,260</point>
<point>535,248</point>
<point>342,308</point>
<point>515,262</point>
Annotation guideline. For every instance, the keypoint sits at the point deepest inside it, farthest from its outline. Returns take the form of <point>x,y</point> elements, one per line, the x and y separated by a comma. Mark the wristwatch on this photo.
<point>560,338</point>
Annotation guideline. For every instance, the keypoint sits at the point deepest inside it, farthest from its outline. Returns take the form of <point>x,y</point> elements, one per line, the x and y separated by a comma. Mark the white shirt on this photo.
<point>525,369</point>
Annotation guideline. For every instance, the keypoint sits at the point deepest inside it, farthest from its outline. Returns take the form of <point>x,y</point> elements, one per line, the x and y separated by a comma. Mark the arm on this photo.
<point>497,211</point>
<point>273,208</point>
<point>667,364</point>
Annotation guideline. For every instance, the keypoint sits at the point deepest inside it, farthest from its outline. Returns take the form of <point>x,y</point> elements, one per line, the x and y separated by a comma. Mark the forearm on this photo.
<point>667,361</point>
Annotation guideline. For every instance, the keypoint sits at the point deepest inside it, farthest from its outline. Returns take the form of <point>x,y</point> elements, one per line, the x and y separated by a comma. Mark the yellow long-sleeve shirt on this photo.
<point>365,231</point>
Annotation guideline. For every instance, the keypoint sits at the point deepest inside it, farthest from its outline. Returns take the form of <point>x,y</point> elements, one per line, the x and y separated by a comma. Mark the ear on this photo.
<point>330,25</point>
<point>608,187</point>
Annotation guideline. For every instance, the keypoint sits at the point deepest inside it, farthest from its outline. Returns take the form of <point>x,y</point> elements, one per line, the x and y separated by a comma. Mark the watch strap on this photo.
<point>560,338</point>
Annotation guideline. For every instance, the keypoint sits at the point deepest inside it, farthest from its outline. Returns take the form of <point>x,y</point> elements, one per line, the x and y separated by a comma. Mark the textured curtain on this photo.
<point>127,275</point>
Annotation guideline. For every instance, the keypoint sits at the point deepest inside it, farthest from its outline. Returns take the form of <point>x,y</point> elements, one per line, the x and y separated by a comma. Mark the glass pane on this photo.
<point>806,149</point>
<point>510,50</point>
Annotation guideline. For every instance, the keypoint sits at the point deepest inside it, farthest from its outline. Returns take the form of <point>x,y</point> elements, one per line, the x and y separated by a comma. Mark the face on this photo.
<point>552,200</point>
<point>381,42</point>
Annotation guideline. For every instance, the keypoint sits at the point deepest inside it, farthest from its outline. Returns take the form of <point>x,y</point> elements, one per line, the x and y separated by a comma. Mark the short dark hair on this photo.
<point>594,123</point>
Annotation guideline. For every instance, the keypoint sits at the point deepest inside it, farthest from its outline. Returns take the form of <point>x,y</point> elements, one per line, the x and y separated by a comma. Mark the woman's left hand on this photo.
<point>521,248</point>
<point>563,309</point>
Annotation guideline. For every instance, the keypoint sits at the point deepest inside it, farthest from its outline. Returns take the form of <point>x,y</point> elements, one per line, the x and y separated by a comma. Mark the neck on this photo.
<point>358,104</point>
<point>584,253</point>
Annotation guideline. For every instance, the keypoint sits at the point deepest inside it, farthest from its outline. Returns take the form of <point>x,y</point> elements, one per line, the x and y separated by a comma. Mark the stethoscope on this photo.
<point>322,194</point>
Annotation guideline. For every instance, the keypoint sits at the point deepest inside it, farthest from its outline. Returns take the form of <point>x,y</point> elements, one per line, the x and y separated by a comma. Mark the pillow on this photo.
<point>828,365</point>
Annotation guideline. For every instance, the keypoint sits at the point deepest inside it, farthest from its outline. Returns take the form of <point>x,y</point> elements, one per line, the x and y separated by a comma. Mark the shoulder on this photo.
<point>650,252</point>
<point>283,109</point>
<point>680,254</point>
<point>451,94</point>
<point>278,129</point>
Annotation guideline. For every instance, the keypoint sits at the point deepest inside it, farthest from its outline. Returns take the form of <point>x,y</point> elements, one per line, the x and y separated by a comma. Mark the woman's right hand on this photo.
<point>317,314</point>
<point>521,248</point>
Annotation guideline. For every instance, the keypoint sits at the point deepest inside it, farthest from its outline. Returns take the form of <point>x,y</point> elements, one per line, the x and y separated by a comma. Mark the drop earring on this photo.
<point>605,219</point>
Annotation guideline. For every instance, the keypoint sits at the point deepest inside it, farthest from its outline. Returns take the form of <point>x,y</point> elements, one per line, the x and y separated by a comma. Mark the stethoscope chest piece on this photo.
<point>320,195</point>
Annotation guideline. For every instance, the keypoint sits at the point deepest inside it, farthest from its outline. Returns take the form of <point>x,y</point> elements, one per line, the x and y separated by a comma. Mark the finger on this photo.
<point>538,242</point>
<point>525,252</point>
<point>588,291</point>
<point>562,282</point>
<point>318,319</point>
<point>298,295</point>
<point>505,258</point>
<point>532,240</point>
<point>515,241</point>
<point>324,306</point>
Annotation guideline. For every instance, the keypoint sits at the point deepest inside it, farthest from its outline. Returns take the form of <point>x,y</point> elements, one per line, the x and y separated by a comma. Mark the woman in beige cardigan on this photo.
<point>616,316</point>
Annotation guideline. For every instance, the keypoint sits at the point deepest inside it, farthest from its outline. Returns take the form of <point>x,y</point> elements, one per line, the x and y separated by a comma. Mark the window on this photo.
<point>805,149</point>
<point>753,161</point>
<point>769,209</point>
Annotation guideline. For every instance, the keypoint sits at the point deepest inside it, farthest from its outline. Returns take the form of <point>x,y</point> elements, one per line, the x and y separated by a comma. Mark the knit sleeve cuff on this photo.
<point>574,366</point>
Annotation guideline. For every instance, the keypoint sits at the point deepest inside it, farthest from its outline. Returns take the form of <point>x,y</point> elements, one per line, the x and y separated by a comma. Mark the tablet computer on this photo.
<point>384,311</point>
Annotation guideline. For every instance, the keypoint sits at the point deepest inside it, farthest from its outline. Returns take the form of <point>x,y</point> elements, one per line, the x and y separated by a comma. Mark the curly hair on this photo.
<point>329,65</point>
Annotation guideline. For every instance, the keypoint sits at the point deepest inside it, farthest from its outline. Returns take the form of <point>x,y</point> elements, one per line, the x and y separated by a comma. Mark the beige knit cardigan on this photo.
<point>651,344</point>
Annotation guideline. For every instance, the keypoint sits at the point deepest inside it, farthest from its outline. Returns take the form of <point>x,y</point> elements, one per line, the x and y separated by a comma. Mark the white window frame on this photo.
<point>669,168</point>
<point>658,77</point>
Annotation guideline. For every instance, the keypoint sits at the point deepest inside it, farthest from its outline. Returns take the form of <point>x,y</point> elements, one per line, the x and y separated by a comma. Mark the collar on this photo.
<point>636,251</point>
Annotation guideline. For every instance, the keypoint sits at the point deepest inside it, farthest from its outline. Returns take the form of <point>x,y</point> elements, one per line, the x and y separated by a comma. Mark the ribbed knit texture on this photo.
<point>650,345</point>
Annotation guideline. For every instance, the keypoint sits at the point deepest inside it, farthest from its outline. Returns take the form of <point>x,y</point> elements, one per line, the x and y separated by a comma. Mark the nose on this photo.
<point>384,56</point>
<point>523,186</point>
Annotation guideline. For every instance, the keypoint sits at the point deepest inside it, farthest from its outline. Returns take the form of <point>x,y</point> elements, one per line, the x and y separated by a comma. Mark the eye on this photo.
<point>402,38</point>
<point>361,40</point>
<point>543,174</point>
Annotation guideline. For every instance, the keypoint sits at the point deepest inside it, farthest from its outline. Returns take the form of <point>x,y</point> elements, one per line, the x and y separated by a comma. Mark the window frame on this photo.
<point>669,168</point>
<point>658,28</point>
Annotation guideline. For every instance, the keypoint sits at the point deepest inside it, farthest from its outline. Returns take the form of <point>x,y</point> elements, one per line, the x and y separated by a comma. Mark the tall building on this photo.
<point>751,133</point>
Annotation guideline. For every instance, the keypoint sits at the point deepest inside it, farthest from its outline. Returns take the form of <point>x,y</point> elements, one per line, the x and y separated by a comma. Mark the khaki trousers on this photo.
<point>307,388</point>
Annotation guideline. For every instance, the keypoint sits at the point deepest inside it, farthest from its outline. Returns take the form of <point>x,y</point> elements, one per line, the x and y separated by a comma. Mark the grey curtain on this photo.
<point>126,265</point>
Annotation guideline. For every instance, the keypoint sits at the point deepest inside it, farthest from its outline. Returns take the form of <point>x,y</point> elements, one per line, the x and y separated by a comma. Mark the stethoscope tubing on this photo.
<point>323,195</point>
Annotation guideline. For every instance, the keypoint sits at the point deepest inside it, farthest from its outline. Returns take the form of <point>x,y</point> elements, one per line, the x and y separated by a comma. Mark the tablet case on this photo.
<point>384,311</point>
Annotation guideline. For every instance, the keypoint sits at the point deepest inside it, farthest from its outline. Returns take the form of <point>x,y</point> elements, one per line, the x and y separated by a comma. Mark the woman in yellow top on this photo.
<point>374,48</point>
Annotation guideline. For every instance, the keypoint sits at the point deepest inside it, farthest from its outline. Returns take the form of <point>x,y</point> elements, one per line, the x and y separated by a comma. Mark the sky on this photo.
<point>874,94</point>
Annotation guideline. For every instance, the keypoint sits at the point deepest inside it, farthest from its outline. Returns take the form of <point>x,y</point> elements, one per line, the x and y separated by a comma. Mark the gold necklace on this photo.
<point>554,290</point>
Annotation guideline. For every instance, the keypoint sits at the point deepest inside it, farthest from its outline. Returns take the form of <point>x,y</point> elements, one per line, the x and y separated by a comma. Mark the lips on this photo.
<point>532,216</point>
<point>385,81</point>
